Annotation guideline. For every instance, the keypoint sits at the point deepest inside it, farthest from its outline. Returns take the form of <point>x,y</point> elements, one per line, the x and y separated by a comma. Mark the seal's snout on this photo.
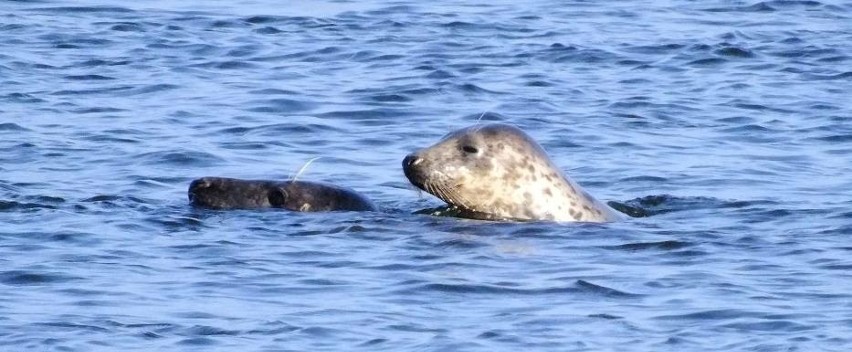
<point>196,186</point>
<point>409,167</point>
<point>200,183</point>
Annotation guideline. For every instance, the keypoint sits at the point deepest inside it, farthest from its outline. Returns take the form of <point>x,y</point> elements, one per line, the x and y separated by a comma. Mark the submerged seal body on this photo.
<point>231,193</point>
<point>496,171</point>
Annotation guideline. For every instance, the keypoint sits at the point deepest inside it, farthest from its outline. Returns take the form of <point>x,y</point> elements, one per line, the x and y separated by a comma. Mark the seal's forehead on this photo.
<point>487,130</point>
<point>499,129</point>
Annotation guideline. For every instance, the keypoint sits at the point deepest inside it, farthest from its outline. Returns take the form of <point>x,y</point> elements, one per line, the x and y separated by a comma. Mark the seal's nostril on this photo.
<point>411,160</point>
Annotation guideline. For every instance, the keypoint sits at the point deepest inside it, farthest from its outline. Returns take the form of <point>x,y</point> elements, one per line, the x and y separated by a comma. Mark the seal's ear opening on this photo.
<point>277,197</point>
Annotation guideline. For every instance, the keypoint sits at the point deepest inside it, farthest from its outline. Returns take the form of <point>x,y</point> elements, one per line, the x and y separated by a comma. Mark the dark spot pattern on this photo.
<point>574,214</point>
<point>510,176</point>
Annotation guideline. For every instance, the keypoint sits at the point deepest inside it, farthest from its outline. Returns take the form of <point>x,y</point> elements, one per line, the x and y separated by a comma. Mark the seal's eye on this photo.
<point>470,149</point>
<point>278,197</point>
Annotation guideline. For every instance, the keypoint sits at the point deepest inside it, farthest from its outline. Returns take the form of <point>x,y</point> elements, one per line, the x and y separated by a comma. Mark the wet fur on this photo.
<point>231,193</point>
<point>499,170</point>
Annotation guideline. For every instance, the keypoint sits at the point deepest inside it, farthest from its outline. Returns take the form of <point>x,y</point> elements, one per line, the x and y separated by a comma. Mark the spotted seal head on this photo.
<point>232,193</point>
<point>499,171</point>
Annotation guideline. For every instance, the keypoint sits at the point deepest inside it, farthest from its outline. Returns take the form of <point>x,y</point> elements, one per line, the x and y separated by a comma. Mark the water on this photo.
<point>727,123</point>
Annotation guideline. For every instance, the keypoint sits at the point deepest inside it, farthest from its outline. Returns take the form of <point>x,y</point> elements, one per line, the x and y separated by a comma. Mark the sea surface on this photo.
<point>724,127</point>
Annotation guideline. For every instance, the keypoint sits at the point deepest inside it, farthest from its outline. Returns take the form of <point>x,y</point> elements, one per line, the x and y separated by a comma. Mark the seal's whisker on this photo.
<point>481,116</point>
<point>304,167</point>
<point>464,200</point>
<point>476,128</point>
<point>430,188</point>
<point>450,194</point>
<point>459,197</point>
<point>436,189</point>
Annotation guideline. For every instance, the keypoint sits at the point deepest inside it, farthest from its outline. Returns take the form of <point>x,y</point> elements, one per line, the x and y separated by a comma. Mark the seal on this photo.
<point>232,193</point>
<point>498,172</point>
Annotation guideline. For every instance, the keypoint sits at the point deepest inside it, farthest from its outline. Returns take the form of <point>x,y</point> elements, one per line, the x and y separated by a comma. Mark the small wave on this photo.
<point>91,77</point>
<point>707,62</point>
<point>484,289</point>
<point>439,74</point>
<point>641,246</point>
<point>473,88</point>
<point>718,314</point>
<point>14,206</point>
<point>198,341</point>
<point>101,62</point>
<point>380,116</point>
<point>773,326</point>
<point>734,52</point>
<point>128,27</point>
<point>95,91</point>
<point>227,65</point>
<point>395,9</point>
<point>268,30</point>
<point>109,138</point>
<point>281,105</point>
<point>646,178</point>
<point>83,9</point>
<point>243,51</point>
<point>464,25</point>
<point>273,328</point>
<point>10,126</point>
<point>580,287</point>
<point>390,98</point>
<point>112,198</point>
<point>73,326</point>
<point>280,129</point>
<point>598,290</point>
<point>664,203</point>
<point>229,23</point>
<point>21,98</point>
<point>204,330</point>
<point>265,19</point>
<point>605,316</point>
<point>97,110</point>
<point>244,145</point>
<point>655,49</point>
<point>758,7</point>
<point>182,158</point>
<point>838,76</point>
<point>538,83</point>
<point>31,278</point>
<point>151,88</point>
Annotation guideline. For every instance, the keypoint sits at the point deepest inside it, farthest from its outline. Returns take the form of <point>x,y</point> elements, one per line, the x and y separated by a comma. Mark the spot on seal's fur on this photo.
<point>574,214</point>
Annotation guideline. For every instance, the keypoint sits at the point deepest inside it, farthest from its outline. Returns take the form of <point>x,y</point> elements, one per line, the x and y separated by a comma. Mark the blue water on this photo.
<point>726,124</point>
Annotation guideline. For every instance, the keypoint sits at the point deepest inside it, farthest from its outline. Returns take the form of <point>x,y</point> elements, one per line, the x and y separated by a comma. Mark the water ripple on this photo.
<point>721,128</point>
<point>30,278</point>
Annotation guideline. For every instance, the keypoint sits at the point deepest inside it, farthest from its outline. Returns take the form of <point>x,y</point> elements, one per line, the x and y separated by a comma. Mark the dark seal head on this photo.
<point>231,193</point>
<point>500,171</point>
